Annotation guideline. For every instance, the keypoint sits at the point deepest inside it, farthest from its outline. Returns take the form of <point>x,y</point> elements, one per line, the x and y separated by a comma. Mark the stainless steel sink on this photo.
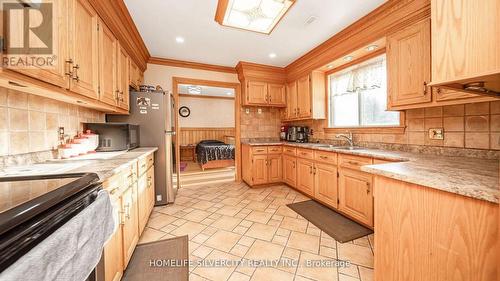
<point>348,147</point>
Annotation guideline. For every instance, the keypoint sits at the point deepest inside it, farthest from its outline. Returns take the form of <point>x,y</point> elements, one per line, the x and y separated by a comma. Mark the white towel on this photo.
<point>72,251</point>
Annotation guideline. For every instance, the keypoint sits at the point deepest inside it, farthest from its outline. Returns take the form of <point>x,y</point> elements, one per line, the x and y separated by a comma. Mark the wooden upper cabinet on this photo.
<point>304,97</point>
<point>291,100</point>
<point>408,65</point>
<point>55,75</point>
<point>134,75</point>
<point>108,80</point>
<point>276,94</point>
<point>356,195</point>
<point>123,78</point>
<point>465,40</point>
<point>256,92</point>
<point>325,184</point>
<point>305,176</point>
<point>84,49</point>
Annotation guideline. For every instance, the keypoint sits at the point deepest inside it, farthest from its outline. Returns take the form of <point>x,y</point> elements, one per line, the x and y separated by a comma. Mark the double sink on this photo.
<point>337,147</point>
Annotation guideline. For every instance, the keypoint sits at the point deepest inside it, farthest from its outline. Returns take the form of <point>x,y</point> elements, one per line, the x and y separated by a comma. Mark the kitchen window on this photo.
<point>358,96</point>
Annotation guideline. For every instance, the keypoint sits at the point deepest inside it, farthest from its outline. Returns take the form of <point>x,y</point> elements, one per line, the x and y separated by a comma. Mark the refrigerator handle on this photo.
<point>170,133</point>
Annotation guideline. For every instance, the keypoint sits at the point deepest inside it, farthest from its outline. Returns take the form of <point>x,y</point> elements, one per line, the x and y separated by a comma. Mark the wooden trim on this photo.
<point>117,17</point>
<point>356,61</point>
<point>389,17</point>
<point>237,105</point>
<point>193,65</point>
<point>217,164</point>
<point>367,130</point>
<point>205,97</point>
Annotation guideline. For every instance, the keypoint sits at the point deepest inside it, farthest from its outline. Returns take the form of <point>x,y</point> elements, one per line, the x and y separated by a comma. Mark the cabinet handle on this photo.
<point>121,97</point>
<point>120,218</point>
<point>315,170</point>
<point>69,72</point>
<point>310,170</point>
<point>113,191</point>
<point>127,212</point>
<point>425,88</point>
<point>323,157</point>
<point>149,182</point>
<point>298,111</point>
<point>294,165</point>
<point>367,188</point>
<point>353,163</point>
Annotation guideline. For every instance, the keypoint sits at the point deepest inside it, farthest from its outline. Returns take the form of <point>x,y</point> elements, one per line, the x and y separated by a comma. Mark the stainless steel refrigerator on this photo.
<point>154,113</point>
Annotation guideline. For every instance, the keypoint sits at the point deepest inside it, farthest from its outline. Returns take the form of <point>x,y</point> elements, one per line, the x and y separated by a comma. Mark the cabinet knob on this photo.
<point>425,88</point>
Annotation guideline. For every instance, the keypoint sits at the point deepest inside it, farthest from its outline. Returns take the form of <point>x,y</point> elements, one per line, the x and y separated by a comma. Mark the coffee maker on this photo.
<point>302,134</point>
<point>284,132</point>
<point>291,134</point>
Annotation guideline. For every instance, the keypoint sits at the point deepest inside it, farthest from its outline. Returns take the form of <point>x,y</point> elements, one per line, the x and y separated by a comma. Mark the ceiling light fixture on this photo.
<point>272,55</point>
<point>330,66</point>
<point>254,15</point>
<point>179,39</point>
<point>349,58</point>
<point>371,48</point>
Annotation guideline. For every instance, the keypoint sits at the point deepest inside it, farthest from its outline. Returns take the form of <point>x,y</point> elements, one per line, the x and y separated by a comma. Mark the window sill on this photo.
<point>368,130</point>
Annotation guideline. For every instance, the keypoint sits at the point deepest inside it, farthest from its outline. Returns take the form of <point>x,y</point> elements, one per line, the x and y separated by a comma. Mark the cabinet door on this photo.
<point>447,95</point>
<point>84,49</point>
<point>290,170</point>
<point>305,176</point>
<point>275,168</point>
<point>55,75</point>
<point>107,65</point>
<point>123,78</point>
<point>277,94</point>
<point>325,184</point>
<point>408,65</point>
<point>134,76</point>
<point>304,97</point>
<point>150,190</point>
<point>259,169</point>
<point>130,223</point>
<point>291,100</point>
<point>465,39</point>
<point>142,202</point>
<point>113,250</point>
<point>257,92</point>
<point>355,195</point>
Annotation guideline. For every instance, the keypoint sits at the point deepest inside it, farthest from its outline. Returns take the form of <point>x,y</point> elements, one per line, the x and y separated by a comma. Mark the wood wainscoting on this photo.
<point>195,135</point>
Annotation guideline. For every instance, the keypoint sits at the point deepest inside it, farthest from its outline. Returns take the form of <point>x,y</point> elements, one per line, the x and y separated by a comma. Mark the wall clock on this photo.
<point>184,111</point>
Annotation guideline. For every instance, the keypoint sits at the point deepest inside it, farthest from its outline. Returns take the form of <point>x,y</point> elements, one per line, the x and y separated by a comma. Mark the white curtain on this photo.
<point>369,75</point>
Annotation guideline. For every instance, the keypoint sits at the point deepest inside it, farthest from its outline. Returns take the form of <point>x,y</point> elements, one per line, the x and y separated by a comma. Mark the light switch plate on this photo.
<point>436,134</point>
<point>247,110</point>
<point>259,110</point>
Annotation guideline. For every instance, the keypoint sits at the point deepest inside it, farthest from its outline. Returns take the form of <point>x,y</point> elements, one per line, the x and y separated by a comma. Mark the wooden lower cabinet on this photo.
<point>426,234</point>
<point>259,169</point>
<point>130,223</point>
<point>355,195</point>
<point>325,184</point>
<point>305,176</point>
<point>275,168</point>
<point>113,270</point>
<point>145,201</point>
<point>290,170</point>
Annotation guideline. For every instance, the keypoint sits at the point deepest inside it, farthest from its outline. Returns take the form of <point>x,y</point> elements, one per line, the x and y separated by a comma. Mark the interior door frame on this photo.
<point>237,122</point>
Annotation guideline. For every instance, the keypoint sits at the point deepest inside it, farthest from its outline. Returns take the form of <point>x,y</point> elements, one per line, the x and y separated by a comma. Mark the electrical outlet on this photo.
<point>259,110</point>
<point>159,197</point>
<point>247,110</point>
<point>436,134</point>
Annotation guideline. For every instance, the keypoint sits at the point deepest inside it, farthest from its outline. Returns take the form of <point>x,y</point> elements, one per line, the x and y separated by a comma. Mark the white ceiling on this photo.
<point>161,21</point>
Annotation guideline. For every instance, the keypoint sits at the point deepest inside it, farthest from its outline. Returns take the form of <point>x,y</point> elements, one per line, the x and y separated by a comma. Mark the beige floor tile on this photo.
<point>160,221</point>
<point>267,274</point>
<point>150,235</point>
<point>291,253</point>
<point>246,241</point>
<point>258,206</point>
<point>240,230</point>
<point>317,270</point>
<point>299,278</point>
<point>236,276</point>
<point>261,231</point>
<point>366,274</point>
<point>246,223</point>
<point>200,238</point>
<point>283,232</point>
<point>203,205</point>
<point>245,268</point>
<point>223,240</point>
<point>294,224</point>
<point>231,201</point>
<point>226,223</point>
<point>343,277</point>
<point>228,211</point>
<point>328,252</point>
<point>304,242</point>
<point>351,270</point>
<point>221,273</point>
<point>191,229</point>
<point>209,230</point>
<point>202,251</point>
<point>168,228</point>
<point>355,254</point>
<point>260,217</point>
<point>207,221</point>
<point>197,215</point>
<point>280,240</point>
<point>239,250</point>
<point>286,212</point>
<point>179,222</point>
<point>262,250</point>
<point>328,242</point>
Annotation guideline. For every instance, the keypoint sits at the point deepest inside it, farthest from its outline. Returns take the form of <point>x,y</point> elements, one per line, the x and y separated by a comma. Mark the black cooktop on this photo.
<point>32,208</point>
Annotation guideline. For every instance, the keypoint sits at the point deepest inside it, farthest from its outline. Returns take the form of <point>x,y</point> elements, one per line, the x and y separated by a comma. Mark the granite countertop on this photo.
<point>471,177</point>
<point>105,168</point>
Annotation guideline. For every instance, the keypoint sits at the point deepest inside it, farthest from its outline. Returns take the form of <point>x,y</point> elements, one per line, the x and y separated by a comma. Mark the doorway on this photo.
<point>207,140</point>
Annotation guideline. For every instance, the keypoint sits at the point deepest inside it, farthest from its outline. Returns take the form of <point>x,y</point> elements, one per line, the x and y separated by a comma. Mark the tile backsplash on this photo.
<point>260,125</point>
<point>473,126</point>
<point>29,123</point>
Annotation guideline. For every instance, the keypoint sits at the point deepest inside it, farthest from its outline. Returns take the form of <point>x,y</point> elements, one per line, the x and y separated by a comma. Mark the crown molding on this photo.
<point>188,64</point>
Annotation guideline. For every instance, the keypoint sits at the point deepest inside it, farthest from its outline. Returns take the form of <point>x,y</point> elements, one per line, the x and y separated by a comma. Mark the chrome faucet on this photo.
<point>347,137</point>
